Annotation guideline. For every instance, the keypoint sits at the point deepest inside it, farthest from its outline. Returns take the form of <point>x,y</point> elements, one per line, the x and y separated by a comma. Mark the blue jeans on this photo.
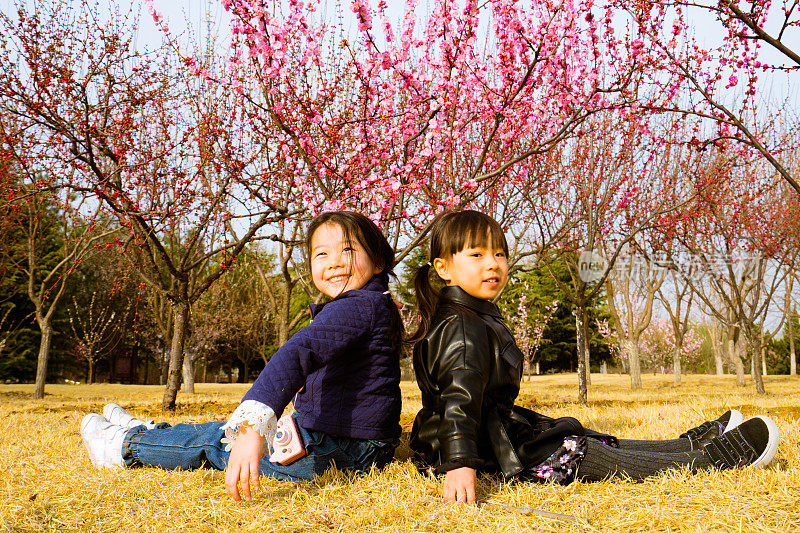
<point>192,446</point>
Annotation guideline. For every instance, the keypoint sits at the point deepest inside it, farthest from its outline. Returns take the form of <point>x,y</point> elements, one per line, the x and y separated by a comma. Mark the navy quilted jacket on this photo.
<point>344,363</point>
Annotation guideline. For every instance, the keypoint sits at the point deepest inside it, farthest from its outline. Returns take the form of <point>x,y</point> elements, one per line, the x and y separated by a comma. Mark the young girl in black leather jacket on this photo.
<point>469,367</point>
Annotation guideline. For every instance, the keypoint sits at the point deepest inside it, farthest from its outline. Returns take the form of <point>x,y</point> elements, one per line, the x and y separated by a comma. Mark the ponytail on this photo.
<point>426,302</point>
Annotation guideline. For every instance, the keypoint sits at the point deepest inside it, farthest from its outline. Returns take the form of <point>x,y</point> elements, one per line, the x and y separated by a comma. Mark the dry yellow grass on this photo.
<point>48,484</point>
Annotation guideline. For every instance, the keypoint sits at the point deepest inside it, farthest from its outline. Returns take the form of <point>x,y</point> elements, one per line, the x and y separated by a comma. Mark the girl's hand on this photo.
<point>247,451</point>
<point>459,485</point>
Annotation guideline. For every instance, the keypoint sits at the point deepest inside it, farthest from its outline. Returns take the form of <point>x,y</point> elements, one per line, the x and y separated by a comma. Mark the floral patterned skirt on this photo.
<point>561,466</point>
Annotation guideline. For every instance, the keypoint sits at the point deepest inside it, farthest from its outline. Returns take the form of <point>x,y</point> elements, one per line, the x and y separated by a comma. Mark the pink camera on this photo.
<point>287,446</point>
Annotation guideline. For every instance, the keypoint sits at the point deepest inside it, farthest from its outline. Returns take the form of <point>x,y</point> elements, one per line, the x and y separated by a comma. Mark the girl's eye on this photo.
<point>320,254</point>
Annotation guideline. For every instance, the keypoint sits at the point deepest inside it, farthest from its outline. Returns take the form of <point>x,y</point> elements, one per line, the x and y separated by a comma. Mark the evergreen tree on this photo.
<point>22,237</point>
<point>557,349</point>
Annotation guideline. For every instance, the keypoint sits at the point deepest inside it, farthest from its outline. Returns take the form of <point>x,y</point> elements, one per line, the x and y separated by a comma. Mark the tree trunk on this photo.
<point>676,363</point>
<point>716,347</point>
<point>720,369</point>
<point>164,357</point>
<point>146,380</point>
<point>283,318</point>
<point>755,348</point>
<point>90,375</point>
<point>587,361</point>
<point>188,375</point>
<point>634,364</point>
<point>736,359</point>
<point>180,311</point>
<point>792,353</point>
<point>580,343</point>
<point>44,356</point>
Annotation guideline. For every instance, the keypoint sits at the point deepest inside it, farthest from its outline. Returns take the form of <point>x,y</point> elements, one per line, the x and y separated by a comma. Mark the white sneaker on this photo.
<point>120,417</point>
<point>103,441</point>
<point>702,434</point>
<point>752,443</point>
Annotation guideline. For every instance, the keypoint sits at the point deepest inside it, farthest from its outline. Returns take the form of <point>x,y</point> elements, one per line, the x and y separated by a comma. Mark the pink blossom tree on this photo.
<point>56,235</point>
<point>630,291</point>
<point>679,307</point>
<point>740,233</point>
<point>402,120</point>
<point>656,344</point>
<point>660,346</point>
<point>528,326</point>
<point>791,314</point>
<point>611,337</point>
<point>719,80</point>
<point>92,332</point>
<point>162,154</point>
<point>596,195</point>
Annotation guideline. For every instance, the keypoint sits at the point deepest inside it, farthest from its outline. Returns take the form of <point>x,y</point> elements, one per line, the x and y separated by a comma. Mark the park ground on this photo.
<point>47,482</point>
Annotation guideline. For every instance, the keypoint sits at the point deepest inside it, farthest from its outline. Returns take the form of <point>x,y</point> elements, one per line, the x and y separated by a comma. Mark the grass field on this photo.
<point>47,482</point>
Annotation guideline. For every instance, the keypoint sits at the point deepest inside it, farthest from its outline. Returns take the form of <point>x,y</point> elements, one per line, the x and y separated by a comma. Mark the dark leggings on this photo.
<point>638,459</point>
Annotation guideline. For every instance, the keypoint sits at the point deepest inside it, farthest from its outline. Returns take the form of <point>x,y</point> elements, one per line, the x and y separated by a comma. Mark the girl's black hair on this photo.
<point>451,232</point>
<point>369,236</point>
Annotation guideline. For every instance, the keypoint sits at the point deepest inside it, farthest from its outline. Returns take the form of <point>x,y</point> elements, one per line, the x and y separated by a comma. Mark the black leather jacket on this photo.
<point>469,368</point>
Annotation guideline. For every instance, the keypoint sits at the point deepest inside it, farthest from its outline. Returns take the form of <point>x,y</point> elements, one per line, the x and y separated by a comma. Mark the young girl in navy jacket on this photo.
<point>342,372</point>
<point>469,367</point>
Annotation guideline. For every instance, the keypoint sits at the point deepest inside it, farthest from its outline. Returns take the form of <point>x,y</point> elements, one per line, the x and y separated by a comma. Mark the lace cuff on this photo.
<point>259,416</point>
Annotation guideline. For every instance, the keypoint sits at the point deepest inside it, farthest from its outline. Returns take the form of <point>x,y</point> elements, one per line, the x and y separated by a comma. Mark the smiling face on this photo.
<point>336,264</point>
<point>482,271</point>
